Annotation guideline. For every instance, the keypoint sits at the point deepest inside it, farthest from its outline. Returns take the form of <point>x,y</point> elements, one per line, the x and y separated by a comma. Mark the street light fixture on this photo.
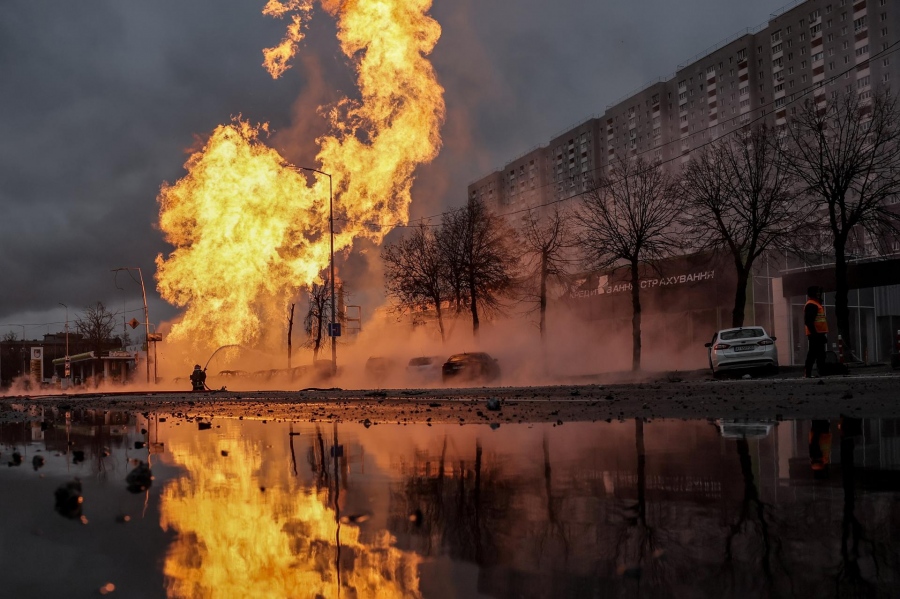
<point>333,329</point>
<point>146,313</point>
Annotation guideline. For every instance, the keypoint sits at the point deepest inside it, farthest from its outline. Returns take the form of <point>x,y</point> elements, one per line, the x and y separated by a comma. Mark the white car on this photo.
<point>742,348</point>
<point>424,369</point>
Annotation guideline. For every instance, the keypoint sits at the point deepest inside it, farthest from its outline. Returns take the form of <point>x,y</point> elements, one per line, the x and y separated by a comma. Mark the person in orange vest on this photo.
<point>816,330</point>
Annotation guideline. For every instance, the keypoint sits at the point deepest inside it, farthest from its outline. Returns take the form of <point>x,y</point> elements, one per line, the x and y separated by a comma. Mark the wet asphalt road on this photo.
<point>864,393</point>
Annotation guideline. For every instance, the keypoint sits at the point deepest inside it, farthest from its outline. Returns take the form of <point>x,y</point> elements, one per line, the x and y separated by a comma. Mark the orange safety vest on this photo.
<point>821,324</point>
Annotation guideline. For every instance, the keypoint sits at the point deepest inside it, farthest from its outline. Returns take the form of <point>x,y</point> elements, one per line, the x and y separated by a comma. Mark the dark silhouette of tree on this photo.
<point>752,517</point>
<point>96,325</point>
<point>544,241</point>
<point>416,272</point>
<point>478,245</point>
<point>318,313</point>
<point>290,332</point>
<point>845,155</point>
<point>740,197</point>
<point>628,220</point>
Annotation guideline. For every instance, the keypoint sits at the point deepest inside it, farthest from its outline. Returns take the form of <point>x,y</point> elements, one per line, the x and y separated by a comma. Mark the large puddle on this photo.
<point>249,508</point>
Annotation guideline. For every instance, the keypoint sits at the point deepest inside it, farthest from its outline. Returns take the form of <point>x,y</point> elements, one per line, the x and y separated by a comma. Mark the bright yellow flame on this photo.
<point>276,59</point>
<point>236,540</point>
<point>246,229</point>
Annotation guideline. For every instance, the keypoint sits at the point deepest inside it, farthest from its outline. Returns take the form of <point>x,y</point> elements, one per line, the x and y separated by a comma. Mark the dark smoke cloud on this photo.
<point>100,100</point>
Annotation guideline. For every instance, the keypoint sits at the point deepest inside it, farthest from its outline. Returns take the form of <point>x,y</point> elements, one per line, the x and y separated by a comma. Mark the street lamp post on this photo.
<point>332,332</point>
<point>146,313</point>
<point>67,338</point>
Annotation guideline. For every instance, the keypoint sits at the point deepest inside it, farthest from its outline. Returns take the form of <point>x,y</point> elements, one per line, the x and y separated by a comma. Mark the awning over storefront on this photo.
<point>860,275</point>
<point>75,358</point>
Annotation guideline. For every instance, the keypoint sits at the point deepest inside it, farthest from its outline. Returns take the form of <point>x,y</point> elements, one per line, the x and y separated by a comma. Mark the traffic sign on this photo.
<point>334,329</point>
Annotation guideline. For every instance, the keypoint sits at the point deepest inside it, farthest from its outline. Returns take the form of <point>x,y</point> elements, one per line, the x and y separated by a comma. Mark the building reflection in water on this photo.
<point>635,508</point>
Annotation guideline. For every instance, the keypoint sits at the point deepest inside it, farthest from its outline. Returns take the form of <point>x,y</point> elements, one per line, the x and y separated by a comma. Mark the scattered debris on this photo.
<point>139,479</point>
<point>69,500</point>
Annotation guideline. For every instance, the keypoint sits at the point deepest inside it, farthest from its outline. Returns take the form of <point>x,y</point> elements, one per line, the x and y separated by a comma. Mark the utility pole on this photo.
<point>146,314</point>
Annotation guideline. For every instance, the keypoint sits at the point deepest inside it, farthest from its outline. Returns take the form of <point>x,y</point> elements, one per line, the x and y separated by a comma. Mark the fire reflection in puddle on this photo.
<point>246,508</point>
<point>260,533</point>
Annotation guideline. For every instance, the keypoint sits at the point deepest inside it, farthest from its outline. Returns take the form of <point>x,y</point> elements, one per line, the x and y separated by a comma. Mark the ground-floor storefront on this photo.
<point>687,299</point>
<point>90,369</point>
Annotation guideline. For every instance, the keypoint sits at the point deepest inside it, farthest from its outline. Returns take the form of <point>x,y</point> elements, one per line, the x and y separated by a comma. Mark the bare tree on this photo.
<point>627,220</point>
<point>290,332</point>
<point>416,272</point>
<point>451,238</point>
<point>10,337</point>
<point>96,324</point>
<point>317,315</point>
<point>845,155</point>
<point>545,242</point>
<point>740,197</point>
<point>480,241</point>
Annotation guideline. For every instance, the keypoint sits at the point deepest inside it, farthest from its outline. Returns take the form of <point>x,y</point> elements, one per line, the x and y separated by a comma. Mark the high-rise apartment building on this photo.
<point>813,50</point>
<point>817,49</point>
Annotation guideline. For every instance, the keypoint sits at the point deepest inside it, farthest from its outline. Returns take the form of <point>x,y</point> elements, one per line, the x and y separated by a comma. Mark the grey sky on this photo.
<point>101,100</point>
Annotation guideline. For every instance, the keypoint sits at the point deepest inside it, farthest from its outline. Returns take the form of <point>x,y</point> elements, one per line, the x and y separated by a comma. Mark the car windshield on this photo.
<point>459,358</point>
<point>741,334</point>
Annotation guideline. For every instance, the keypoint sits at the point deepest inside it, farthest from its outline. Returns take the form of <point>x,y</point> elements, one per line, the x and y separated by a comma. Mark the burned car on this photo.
<point>476,366</point>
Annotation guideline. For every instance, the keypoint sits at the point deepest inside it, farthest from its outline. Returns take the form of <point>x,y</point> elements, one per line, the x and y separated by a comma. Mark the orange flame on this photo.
<point>247,229</point>
<point>234,540</point>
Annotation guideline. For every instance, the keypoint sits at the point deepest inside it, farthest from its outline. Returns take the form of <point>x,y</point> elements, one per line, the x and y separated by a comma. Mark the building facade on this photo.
<point>816,49</point>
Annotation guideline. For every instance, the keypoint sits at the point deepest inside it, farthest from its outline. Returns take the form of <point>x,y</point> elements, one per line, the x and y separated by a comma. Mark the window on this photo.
<point>745,90</point>
<point>779,88</point>
<point>884,16</point>
<point>778,62</point>
<point>845,45</point>
<point>886,62</point>
<point>741,55</point>
<point>815,29</point>
<point>818,56</point>
<point>802,37</point>
<point>864,82</point>
<point>777,48</point>
<point>859,23</point>
<point>776,36</point>
<point>780,102</point>
<point>814,15</point>
<point>830,37</point>
<point>862,50</point>
<point>745,103</point>
<point>886,77</point>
